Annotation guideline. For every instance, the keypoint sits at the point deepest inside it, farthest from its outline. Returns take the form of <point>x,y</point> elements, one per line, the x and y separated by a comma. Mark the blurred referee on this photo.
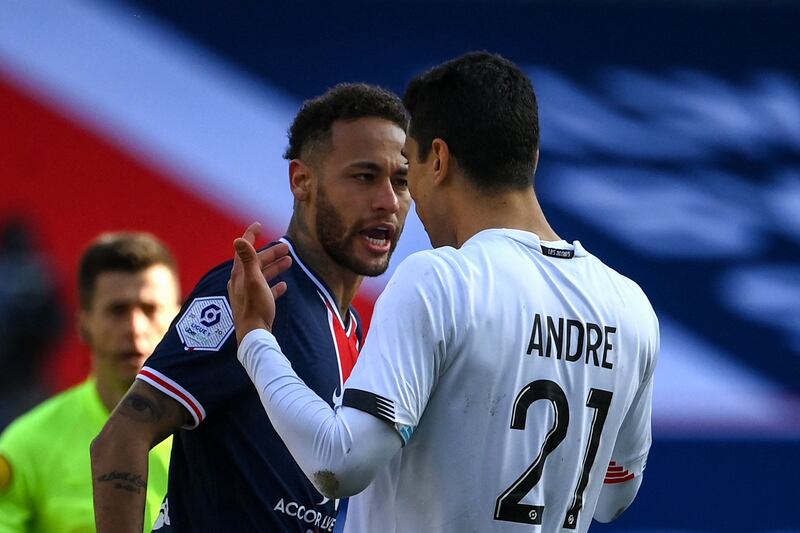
<point>129,292</point>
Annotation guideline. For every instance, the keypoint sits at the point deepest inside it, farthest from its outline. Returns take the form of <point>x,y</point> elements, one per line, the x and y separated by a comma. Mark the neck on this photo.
<point>511,210</point>
<point>110,393</point>
<point>342,282</point>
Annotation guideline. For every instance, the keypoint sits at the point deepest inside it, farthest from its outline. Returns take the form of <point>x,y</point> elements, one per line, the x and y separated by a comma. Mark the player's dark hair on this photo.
<point>129,252</point>
<point>346,101</point>
<point>484,107</point>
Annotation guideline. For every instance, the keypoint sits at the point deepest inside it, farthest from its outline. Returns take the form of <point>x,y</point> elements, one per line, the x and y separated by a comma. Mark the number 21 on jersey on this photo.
<point>508,506</point>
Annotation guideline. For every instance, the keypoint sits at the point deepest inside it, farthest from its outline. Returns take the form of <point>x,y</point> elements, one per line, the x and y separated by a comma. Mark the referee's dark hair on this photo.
<point>484,107</point>
<point>311,128</point>
<point>129,252</point>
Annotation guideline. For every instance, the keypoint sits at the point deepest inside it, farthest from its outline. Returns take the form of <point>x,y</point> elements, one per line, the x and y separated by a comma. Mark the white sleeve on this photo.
<point>341,450</point>
<point>412,329</point>
<point>614,499</point>
<point>629,458</point>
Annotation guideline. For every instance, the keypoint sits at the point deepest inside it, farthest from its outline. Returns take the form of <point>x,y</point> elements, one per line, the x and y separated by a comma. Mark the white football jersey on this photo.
<point>518,374</point>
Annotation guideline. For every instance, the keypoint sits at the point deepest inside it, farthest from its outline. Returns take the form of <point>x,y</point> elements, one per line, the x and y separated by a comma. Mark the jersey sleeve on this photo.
<point>406,347</point>
<point>629,457</point>
<point>195,363</point>
<point>16,482</point>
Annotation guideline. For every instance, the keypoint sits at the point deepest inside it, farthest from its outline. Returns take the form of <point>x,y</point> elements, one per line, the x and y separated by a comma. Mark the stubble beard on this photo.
<point>337,241</point>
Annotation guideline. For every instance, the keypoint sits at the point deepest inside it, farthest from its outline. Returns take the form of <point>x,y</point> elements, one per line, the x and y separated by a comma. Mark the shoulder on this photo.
<point>632,294</point>
<point>428,282</point>
<point>638,311</point>
<point>639,302</point>
<point>214,282</point>
<point>431,267</point>
<point>37,425</point>
<point>205,321</point>
<point>50,410</point>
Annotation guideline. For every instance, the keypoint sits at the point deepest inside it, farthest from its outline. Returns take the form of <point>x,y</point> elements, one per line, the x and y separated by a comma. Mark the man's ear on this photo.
<point>441,163</point>
<point>301,178</point>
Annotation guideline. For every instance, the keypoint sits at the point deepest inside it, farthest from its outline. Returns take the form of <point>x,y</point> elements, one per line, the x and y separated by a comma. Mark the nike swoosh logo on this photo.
<point>337,397</point>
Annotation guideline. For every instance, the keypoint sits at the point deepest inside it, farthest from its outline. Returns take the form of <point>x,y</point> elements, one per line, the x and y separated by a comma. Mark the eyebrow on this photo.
<point>369,165</point>
<point>374,167</point>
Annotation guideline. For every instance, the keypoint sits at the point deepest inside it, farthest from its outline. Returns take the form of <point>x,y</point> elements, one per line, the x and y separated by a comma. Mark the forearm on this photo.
<point>119,479</point>
<point>339,450</point>
<point>143,418</point>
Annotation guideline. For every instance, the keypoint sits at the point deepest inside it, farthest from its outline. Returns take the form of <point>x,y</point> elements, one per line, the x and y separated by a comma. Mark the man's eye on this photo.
<point>149,309</point>
<point>401,183</point>
<point>363,176</point>
<point>118,310</point>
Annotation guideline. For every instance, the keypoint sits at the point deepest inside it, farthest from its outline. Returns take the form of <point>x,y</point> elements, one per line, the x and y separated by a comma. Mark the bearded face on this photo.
<point>364,245</point>
<point>354,194</point>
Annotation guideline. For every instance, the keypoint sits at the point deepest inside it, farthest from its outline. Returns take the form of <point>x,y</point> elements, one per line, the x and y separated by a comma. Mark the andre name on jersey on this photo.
<point>572,340</point>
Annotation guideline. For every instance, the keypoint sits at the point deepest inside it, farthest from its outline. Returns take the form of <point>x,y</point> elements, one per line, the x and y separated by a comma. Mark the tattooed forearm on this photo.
<point>127,481</point>
<point>141,408</point>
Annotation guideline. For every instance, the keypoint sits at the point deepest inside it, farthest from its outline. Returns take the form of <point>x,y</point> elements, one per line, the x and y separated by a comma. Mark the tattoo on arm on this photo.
<point>127,481</point>
<point>141,408</point>
<point>146,405</point>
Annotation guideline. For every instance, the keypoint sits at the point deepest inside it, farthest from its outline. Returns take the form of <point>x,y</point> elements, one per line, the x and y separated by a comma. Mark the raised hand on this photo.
<point>252,299</point>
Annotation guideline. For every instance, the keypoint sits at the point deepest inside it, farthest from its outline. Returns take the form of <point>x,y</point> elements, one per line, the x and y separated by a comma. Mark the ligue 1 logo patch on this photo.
<point>206,324</point>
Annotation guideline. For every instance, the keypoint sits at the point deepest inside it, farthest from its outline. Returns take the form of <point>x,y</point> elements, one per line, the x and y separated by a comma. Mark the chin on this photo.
<point>372,269</point>
<point>128,371</point>
<point>367,264</point>
<point>125,380</point>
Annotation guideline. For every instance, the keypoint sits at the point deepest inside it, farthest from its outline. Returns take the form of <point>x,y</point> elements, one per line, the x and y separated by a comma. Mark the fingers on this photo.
<point>273,253</point>
<point>273,269</point>
<point>268,255</point>
<point>246,254</point>
<point>251,232</point>
<point>270,261</point>
<point>278,290</point>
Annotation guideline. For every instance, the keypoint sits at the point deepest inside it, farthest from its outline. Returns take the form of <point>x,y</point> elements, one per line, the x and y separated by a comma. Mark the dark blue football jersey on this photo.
<point>229,469</point>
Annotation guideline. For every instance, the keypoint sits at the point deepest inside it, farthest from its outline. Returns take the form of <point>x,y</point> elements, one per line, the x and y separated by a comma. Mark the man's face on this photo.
<point>362,198</point>
<point>129,314</point>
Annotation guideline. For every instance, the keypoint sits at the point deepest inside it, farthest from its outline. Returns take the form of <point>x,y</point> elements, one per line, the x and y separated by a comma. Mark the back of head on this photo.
<point>311,128</point>
<point>484,107</point>
<point>129,252</point>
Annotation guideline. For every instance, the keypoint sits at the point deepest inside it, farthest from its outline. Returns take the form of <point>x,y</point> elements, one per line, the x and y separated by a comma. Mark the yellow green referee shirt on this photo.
<point>45,470</point>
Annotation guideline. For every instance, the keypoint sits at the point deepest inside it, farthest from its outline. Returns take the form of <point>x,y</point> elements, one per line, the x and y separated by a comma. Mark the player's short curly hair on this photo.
<point>129,252</point>
<point>483,106</point>
<point>346,101</point>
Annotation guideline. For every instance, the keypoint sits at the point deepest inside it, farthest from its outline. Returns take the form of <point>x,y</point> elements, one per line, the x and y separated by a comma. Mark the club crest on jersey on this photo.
<point>206,324</point>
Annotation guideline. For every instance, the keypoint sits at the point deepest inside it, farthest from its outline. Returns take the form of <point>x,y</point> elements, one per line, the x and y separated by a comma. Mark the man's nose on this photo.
<point>385,197</point>
<point>139,322</point>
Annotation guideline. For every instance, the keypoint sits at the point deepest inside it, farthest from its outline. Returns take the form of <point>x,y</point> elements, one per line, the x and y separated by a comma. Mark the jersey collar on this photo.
<point>326,294</point>
<point>532,240</point>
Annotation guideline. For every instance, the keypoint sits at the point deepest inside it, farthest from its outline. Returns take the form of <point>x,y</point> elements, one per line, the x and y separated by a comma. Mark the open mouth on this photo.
<point>379,238</point>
